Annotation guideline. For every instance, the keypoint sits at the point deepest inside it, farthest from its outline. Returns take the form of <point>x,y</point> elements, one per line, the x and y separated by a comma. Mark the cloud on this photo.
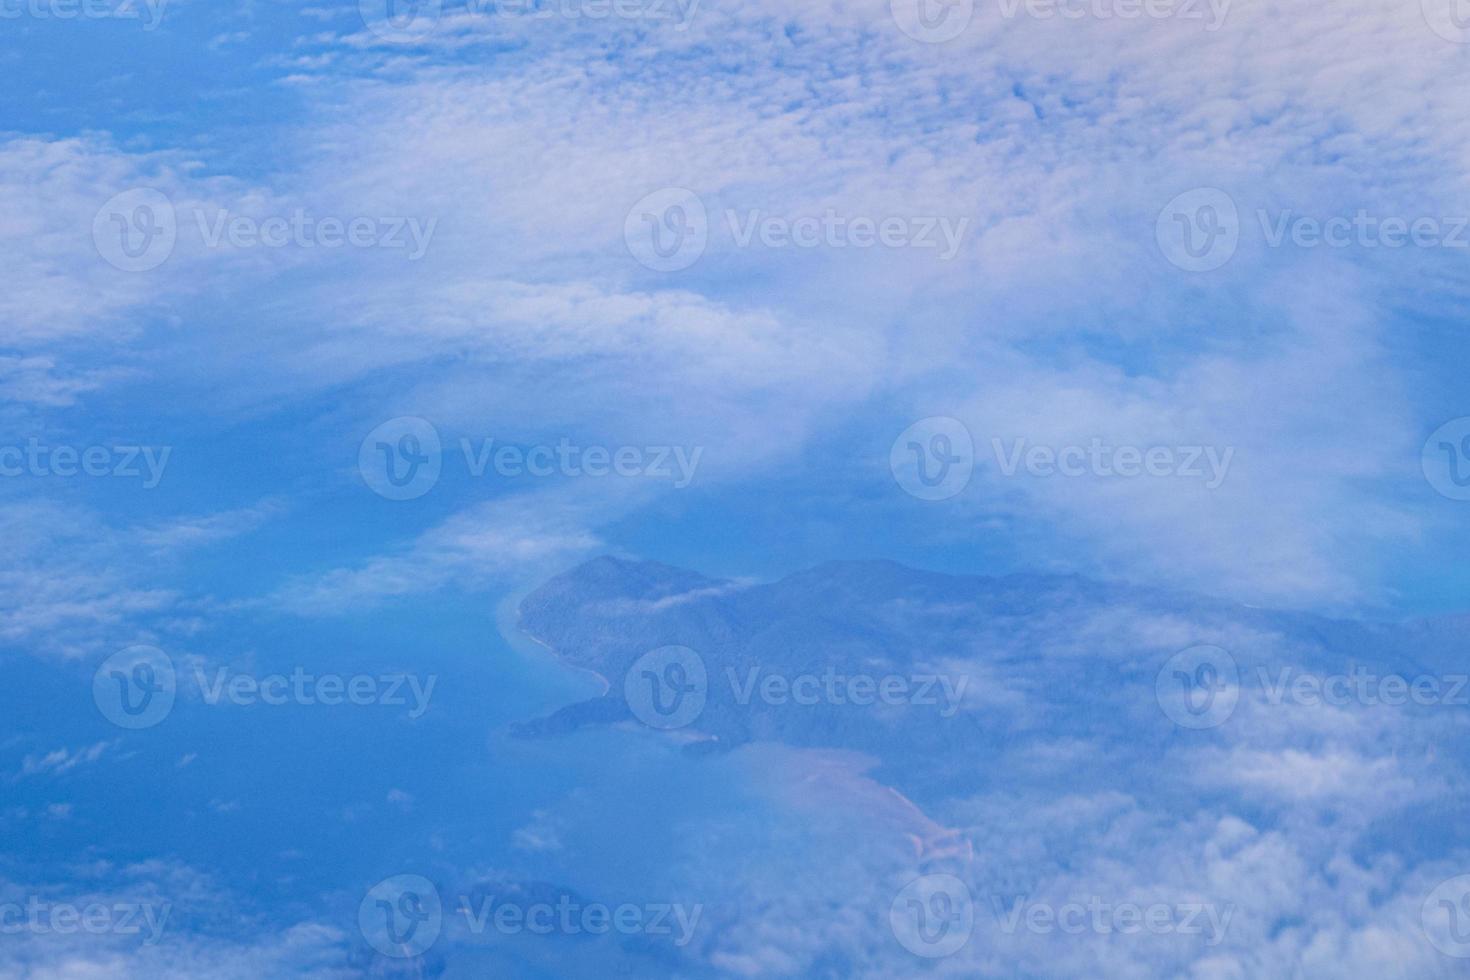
<point>68,586</point>
<point>500,540</point>
<point>63,760</point>
<point>161,919</point>
<point>193,532</point>
<point>35,381</point>
<point>1059,140</point>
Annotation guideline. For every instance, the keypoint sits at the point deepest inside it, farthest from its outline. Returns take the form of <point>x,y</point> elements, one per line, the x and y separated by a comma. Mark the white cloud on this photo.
<point>63,760</point>
<point>502,540</point>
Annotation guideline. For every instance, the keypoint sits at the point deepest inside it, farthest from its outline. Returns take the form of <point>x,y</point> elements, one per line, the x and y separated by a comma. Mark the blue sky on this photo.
<point>756,249</point>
